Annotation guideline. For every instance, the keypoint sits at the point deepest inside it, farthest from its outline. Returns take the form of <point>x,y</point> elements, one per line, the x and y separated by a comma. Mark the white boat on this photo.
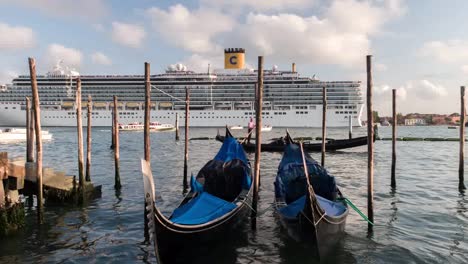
<point>385,123</point>
<point>9,135</point>
<point>266,128</point>
<point>236,127</point>
<point>154,126</point>
<point>218,97</point>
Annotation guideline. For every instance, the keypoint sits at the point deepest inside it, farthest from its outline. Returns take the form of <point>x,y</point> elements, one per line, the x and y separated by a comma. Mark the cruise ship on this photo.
<point>217,97</point>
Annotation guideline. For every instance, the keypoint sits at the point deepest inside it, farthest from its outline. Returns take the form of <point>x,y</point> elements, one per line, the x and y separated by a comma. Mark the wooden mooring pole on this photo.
<point>324,123</point>
<point>29,132</point>
<point>79,127</point>
<point>350,129</point>
<point>370,145</point>
<point>32,133</point>
<point>258,141</point>
<point>88,141</point>
<point>37,124</point>
<point>177,127</point>
<point>113,131</point>
<point>117,184</point>
<point>187,114</point>
<point>147,111</point>
<point>394,126</point>
<point>461,168</point>
<point>146,135</point>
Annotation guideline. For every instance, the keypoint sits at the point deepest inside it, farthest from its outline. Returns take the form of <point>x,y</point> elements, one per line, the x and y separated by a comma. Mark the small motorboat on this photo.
<point>9,135</point>
<point>267,128</point>
<point>135,126</point>
<point>239,127</point>
<point>154,126</point>
<point>453,127</point>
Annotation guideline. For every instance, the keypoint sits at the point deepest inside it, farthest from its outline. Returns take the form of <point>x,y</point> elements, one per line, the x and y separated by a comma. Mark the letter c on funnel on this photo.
<point>233,60</point>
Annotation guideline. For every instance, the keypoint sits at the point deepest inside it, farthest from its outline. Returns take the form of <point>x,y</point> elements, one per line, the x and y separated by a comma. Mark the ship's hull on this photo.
<point>13,115</point>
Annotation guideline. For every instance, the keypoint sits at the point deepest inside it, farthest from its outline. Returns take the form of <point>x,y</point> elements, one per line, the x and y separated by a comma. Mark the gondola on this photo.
<point>316,214</point>
<point>219,200</point>
<point>278,145</point>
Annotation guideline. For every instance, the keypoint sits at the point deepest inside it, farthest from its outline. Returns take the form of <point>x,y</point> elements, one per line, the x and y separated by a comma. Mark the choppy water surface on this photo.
<point>423,221</point>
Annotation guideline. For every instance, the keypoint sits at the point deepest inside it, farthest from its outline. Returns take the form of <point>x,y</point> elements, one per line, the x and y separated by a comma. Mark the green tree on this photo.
<point>400,118</point>
<point>375,116</point>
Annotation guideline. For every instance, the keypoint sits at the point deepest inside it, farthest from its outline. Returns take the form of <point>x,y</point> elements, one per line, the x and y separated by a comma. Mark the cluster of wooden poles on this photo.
<point>33,133</point>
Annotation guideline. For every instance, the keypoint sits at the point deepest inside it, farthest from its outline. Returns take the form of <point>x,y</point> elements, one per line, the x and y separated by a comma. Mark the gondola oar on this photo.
<point>311,198</point>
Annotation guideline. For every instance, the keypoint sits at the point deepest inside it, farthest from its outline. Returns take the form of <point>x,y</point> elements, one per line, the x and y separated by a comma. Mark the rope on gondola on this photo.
<point>310,221</point>
<point>356,209</point>
<point>173,97</point>
<point>260,213</point>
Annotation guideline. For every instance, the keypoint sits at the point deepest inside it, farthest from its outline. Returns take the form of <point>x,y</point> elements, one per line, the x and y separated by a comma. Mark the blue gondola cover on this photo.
<point>202,209</point>
<point>291,181</point>
<point>331,208</point>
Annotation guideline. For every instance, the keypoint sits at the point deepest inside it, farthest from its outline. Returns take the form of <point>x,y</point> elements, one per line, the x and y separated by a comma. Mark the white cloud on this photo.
<point>6,76</point>
<point>100,58</point>
<point>191,30</point>
<point>260,5</point>
<point>451,51</point>
<point>85,9</point>
<point>199,63</point>
<point>338,36</point>
<point>464,68</point>
<point>56,52</point>
<point>287,37</point>
<point>384,92</point>
<point>414,89</point>
<point>15,38</point>
<point>425,89</point>
<point>129,35</point>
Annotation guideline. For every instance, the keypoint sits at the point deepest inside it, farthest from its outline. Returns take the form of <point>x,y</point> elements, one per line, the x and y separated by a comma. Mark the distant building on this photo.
<point>439,119</point>
<point>415,122</point>
<point>455,119</point>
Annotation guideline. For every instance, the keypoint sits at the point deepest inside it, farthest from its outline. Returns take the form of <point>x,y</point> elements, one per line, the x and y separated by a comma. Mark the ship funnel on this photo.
<point>293,67</point>
<point>234,58</point>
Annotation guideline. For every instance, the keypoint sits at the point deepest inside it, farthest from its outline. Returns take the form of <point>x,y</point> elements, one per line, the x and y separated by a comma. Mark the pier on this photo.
<point>20,177</point>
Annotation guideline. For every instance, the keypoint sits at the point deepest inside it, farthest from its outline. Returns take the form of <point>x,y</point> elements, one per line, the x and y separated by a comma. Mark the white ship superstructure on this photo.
<point>217,98</point>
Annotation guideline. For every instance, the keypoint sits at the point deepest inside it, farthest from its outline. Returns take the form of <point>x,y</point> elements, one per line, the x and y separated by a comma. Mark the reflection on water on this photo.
<point>423,220</point>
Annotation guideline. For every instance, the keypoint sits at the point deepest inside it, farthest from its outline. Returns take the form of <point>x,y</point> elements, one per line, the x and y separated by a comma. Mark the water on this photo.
<point>423,221</point>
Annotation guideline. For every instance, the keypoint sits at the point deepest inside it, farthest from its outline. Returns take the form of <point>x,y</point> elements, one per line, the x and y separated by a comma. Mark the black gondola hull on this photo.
<point>329,230</point>
<point>172,238</point>
<point>331,145</point>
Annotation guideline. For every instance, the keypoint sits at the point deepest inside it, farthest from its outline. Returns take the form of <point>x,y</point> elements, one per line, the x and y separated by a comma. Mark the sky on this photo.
<point>419,48</point>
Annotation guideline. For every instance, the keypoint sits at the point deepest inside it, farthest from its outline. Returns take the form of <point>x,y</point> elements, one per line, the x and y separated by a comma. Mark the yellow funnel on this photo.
<point>234,58</point>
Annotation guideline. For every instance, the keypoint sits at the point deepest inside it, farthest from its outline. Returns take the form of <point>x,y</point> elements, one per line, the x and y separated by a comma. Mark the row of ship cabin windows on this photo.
<point>345,112</point>
<point>159,117</point>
